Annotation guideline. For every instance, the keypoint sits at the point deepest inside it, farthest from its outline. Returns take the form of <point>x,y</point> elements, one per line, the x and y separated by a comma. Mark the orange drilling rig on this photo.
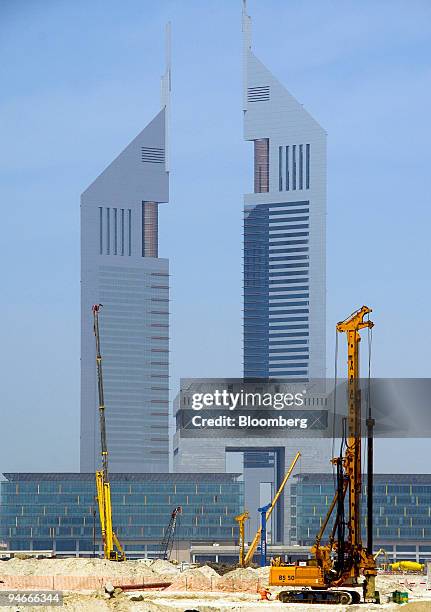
<point>343,559</point>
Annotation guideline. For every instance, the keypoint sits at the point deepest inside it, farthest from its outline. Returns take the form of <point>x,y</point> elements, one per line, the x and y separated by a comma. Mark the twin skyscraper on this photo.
<point>284,269</point>
<point>121,269</point>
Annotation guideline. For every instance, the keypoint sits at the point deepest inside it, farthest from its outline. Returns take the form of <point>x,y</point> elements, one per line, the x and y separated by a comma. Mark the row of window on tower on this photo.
<point>293,166</point>
<point>115,230</point>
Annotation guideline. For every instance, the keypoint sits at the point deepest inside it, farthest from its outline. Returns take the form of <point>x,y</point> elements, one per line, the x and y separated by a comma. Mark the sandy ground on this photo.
<point>203,602</point>
<point>200,589</point>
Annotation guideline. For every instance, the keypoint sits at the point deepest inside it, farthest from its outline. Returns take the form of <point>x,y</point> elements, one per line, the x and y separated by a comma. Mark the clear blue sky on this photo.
<point>80,79</point>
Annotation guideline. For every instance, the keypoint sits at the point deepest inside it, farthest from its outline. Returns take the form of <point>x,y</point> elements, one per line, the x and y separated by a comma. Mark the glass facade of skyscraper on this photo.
<point>276,290</point>
<point>284,230</point>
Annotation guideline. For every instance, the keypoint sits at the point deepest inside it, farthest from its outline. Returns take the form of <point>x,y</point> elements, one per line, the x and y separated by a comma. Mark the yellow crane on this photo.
<point>252,549</point>
<point>112,548</point>
<point>340,562</point>
<point>241,519</point>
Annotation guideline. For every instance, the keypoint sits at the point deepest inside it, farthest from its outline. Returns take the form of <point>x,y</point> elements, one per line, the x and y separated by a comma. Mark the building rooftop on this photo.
<point>319,478</point>
<point>126,477</point>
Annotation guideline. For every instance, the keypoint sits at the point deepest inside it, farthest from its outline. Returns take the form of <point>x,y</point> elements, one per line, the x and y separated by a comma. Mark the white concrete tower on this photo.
<point>284,230</point>
<point>121,269</point>
<point>284,287</point>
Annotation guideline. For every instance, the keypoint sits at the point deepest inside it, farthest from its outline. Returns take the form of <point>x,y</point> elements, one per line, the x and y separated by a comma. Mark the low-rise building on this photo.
<point>58,511</point>
<point>402,512</point>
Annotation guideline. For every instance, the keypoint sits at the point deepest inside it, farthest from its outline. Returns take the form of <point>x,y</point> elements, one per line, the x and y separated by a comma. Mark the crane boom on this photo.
<point>101,395</point>
<point>256,539</point>
<point>112,548</point>
<point>169,535</point>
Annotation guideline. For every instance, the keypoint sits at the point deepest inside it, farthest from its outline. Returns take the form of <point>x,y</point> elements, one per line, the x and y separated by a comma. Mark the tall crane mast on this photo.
<point>352,458</point>
<point>112,548</point>
<point>341,561</point>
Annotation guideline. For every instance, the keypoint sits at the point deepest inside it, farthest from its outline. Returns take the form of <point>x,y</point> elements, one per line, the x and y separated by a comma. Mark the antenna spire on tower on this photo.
<point>246,48</point>
<point>246,26</point>
<point>166,78</point>
<point>165,90</point>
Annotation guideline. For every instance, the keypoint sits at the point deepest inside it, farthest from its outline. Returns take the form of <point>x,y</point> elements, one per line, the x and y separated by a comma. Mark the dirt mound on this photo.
<point>74,567</point>
<point>164,568</point>
<point>208,571</point>
<point>240,579</point>
<point>198,579</point>
<point>263,573</point>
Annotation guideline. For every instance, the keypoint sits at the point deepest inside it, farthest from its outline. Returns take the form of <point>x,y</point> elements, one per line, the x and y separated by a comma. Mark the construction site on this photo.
<point>159,586</point>
<point>204,502</point>
<point>339,570</point>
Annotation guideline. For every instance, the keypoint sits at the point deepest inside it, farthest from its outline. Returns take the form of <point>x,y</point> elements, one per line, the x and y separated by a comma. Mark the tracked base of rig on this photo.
<point>320,596</point>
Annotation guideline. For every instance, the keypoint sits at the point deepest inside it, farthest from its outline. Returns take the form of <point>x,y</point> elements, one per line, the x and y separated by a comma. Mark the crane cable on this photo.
<point>334,412</point>
<point>370,345</point>
<point>369,412</point>
<point>368,401</point>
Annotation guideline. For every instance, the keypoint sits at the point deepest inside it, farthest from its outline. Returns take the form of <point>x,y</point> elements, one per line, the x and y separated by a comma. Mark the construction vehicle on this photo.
<point>253,546</point>
<point>407,566</point>
<point>241,519</point>
<point>379,553</point>
<point>341,561</point>
<point>169,536</point>
<point>112,549</point>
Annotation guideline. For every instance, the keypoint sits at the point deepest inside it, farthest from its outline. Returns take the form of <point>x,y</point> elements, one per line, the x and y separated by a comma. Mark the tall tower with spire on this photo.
<point>121,269</point>
<point>284,288</point>
<point>284,229</point>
